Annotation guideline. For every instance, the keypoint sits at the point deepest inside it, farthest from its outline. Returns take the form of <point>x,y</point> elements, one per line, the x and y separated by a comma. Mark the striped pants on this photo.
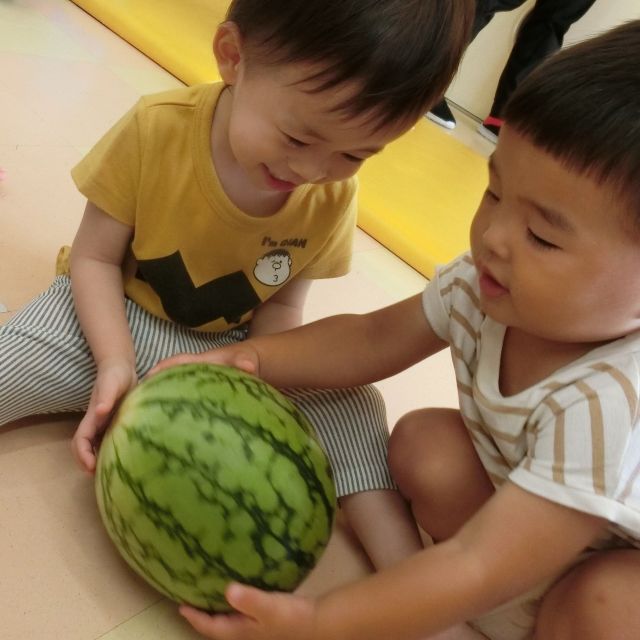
<point>46,366</point>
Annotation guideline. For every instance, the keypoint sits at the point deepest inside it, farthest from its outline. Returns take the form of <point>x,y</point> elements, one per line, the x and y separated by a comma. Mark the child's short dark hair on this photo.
<point>583,107</point>
<point>403,52</point>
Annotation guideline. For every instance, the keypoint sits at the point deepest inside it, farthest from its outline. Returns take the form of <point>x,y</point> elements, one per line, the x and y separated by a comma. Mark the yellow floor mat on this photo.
<point>417,198</point>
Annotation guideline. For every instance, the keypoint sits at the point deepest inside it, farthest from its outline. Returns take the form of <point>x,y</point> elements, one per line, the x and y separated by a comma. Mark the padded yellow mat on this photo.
<point>417,198</point>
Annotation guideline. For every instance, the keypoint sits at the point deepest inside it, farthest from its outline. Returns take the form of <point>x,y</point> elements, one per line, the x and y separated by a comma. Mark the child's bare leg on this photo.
<point>437,469</point>
<point>384,525</point>
<point>596,600</point>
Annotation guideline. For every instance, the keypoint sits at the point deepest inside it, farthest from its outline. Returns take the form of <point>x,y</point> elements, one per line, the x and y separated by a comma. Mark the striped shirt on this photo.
<point>572,438</point>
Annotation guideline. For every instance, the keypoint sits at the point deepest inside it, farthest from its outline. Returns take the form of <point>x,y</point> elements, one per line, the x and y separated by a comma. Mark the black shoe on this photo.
<point>441,114</point>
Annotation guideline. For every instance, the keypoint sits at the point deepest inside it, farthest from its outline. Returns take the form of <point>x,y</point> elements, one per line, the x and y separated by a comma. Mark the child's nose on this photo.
<point>495,238</point>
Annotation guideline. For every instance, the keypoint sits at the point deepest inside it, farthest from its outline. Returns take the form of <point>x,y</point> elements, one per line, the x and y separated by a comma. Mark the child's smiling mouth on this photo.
<point>277,183</point>
<point>489,286</point>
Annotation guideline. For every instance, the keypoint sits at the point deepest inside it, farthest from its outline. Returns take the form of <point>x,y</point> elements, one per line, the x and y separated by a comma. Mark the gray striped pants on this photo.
<point>46,366</point>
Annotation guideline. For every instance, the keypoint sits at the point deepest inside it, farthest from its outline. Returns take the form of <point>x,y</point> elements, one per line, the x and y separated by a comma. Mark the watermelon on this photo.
<point>208,475</point>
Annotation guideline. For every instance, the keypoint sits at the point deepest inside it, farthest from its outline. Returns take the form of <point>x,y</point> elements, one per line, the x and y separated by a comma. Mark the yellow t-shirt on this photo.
<point>199,260</point>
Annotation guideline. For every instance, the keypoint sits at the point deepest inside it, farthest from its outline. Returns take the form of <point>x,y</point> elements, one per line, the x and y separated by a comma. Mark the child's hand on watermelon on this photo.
<point>115,378</point>
<point>241,356</point>
<point>261,616</point>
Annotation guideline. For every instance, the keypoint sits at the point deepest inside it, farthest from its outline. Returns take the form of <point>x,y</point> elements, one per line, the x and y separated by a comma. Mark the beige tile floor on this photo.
<point>64,79</point>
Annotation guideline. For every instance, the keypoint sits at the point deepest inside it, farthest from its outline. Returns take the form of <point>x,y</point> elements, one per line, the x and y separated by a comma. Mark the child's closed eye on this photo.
<point>352,158</point>
<point>540,242</point>
<point>294,142</point>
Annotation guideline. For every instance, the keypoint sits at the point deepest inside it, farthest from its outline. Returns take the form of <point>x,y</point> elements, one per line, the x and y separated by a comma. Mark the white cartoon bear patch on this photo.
<point>273,268</point>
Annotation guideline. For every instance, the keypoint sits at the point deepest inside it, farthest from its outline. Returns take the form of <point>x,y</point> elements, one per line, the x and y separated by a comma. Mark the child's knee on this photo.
<point>403,450</point>
<point>596,600</point>
<point>417,457</point>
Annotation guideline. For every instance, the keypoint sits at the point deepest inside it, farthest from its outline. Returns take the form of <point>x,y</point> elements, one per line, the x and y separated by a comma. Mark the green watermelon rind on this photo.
<point>267,531</point>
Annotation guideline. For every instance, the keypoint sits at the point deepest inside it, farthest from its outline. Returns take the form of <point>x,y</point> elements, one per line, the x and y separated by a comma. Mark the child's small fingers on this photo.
<point>217,627</point>
<point>107,393</point>
<point>211,357</point>
<point>89,462</point>
<point>172,362</point>
<point>103,408</point>
<point>250,601</point>
<point>199,620</point>
<point>83,453</point>
<point>245,364</point>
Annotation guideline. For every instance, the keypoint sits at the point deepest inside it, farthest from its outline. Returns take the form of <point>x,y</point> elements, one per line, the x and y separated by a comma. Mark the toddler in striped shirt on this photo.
<point>531,489</point>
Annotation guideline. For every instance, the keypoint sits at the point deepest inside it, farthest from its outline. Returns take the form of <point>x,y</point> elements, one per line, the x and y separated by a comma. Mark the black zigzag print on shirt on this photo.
<point>228,297</point>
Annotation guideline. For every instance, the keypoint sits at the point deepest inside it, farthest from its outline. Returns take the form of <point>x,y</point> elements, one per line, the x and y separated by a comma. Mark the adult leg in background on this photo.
<point>487,9</point>
<point>441,113</point>
<point>540,34</point>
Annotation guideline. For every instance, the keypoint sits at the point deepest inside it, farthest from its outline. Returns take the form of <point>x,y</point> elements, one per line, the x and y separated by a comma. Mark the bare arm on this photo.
<point>513,543</point>
<point>282,311</point>
<point>340,351</point>
<point>96,278</point>
<point>348,350</point>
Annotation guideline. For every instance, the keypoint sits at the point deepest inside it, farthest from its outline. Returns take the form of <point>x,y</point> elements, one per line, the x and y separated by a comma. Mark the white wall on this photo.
<point>474,86</point>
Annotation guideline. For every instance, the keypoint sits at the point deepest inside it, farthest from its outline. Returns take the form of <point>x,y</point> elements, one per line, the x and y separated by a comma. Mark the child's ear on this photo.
<point>227,48</point>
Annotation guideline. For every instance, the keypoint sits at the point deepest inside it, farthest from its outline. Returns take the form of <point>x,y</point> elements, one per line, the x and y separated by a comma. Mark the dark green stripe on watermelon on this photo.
<point>209,475</point>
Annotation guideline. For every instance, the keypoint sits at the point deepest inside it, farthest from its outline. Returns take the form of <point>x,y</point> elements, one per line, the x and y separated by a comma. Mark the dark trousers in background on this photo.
<point>540,34</point>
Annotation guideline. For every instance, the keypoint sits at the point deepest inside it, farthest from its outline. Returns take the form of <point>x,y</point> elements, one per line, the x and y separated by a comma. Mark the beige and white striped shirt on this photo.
<point>573,438</point>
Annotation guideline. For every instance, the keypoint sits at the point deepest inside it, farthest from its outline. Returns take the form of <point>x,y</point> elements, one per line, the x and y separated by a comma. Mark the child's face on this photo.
<point>555,251</point>
<point>282,136</point>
